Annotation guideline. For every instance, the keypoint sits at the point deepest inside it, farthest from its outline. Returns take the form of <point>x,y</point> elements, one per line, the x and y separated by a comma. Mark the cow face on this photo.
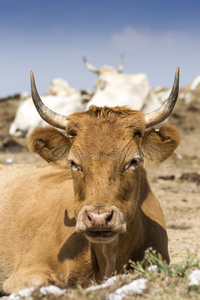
<point>105,149</point>
<point>105,159</point>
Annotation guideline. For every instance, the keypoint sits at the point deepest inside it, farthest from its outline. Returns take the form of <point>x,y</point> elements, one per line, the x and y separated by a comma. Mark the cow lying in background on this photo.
<point>75,226</point>
<point>116,89</point>
<point>62,99</point>
<point>60,87</point>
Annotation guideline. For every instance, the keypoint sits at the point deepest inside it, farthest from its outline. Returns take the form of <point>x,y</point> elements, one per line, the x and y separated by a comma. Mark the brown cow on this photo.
<point>76,226</point>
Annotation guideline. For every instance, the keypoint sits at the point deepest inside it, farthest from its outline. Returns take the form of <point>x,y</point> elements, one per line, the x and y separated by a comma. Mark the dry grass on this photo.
<point>164,282</point>
<point>169,281</point>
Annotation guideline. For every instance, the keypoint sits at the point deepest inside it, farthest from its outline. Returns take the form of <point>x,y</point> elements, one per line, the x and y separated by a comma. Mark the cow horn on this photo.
<point>165,110</point>
<point>121,66</point>
<point>46,114</point>
<point>89,66</point>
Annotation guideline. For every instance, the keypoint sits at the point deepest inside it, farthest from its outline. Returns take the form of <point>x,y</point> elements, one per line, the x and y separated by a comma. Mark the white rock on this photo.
<point>152,268</point>
<point>44,290</point>
<point>108,283</point>
<point>194,278</point>
<point>9,160</point>
<point>23,293</point>
<point>136,286</point>
<point>52,289</point>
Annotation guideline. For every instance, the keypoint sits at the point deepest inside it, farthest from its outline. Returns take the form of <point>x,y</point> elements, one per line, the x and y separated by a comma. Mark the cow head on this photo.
<point>105,74</point>
<point>104,68</point>
<point>105,148</point>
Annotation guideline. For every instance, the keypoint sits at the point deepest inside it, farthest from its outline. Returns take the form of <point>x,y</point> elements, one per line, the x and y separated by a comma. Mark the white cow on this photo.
<point>61,98</point>
<point>60,87</point>
<point>27,118</point>
<point>116,89</point>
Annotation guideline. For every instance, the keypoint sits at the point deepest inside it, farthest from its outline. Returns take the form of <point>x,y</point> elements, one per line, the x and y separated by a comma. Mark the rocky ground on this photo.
<point>176,182</point>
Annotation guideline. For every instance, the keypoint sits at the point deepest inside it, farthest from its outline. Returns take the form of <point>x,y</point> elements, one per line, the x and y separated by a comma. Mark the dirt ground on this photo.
<point>176,182</point>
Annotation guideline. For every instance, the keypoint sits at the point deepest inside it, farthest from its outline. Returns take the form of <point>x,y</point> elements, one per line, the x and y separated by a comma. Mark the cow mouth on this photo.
<point>100,236</point>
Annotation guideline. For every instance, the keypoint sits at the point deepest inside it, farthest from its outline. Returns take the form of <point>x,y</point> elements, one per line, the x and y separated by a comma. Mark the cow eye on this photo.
<point>132,165</point>
<point>74,166</point>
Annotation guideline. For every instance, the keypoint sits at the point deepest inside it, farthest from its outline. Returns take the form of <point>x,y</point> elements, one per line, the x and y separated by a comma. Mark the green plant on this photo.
<point>151,258</point>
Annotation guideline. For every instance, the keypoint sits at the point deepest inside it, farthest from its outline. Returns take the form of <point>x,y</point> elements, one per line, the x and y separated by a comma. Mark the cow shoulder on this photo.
<point>49,143</point>
<point>158,145</point>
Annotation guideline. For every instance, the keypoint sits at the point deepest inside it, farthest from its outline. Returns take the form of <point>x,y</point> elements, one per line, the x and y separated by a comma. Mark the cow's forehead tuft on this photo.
<point>107,121</point>
<point>96,114</point>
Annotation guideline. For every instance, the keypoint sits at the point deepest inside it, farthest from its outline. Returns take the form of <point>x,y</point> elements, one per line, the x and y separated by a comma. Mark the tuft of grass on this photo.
<point>168,281</point>
<point>152,259</point>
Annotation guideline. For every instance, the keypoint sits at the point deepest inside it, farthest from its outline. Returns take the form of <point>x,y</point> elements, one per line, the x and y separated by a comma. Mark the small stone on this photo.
<point>152,268</point>
<point>194,278</point>
<point>136,286</point>
<point>9,160</point>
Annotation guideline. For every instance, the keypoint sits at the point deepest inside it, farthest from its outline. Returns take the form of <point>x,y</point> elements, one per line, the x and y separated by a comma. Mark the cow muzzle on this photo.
<point>100,223</point>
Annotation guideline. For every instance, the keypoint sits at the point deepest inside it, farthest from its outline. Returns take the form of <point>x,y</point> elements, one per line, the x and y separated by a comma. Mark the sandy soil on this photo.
<point>176,182</point>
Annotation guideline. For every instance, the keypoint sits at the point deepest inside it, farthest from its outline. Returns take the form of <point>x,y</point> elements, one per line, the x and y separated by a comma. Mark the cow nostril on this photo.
<point>109,218</point>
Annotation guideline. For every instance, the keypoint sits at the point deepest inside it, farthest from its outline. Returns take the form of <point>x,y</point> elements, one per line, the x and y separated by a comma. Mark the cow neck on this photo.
<point>114,256</point>
<point>131,242</point>
<point>106,256</point>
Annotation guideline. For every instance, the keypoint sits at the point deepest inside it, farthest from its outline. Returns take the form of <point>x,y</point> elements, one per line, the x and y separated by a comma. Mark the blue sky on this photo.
<point>50,37</point>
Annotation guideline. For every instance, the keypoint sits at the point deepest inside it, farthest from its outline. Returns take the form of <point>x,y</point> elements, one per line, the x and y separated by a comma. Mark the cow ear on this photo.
<point>158,145</point>
<point>49,143</point>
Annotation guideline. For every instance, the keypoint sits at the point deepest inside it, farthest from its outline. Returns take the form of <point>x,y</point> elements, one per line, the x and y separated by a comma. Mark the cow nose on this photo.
<point>96,220</point>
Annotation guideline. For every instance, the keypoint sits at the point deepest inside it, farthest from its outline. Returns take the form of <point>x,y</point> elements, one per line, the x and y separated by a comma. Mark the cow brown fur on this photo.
<point>46,209</point>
